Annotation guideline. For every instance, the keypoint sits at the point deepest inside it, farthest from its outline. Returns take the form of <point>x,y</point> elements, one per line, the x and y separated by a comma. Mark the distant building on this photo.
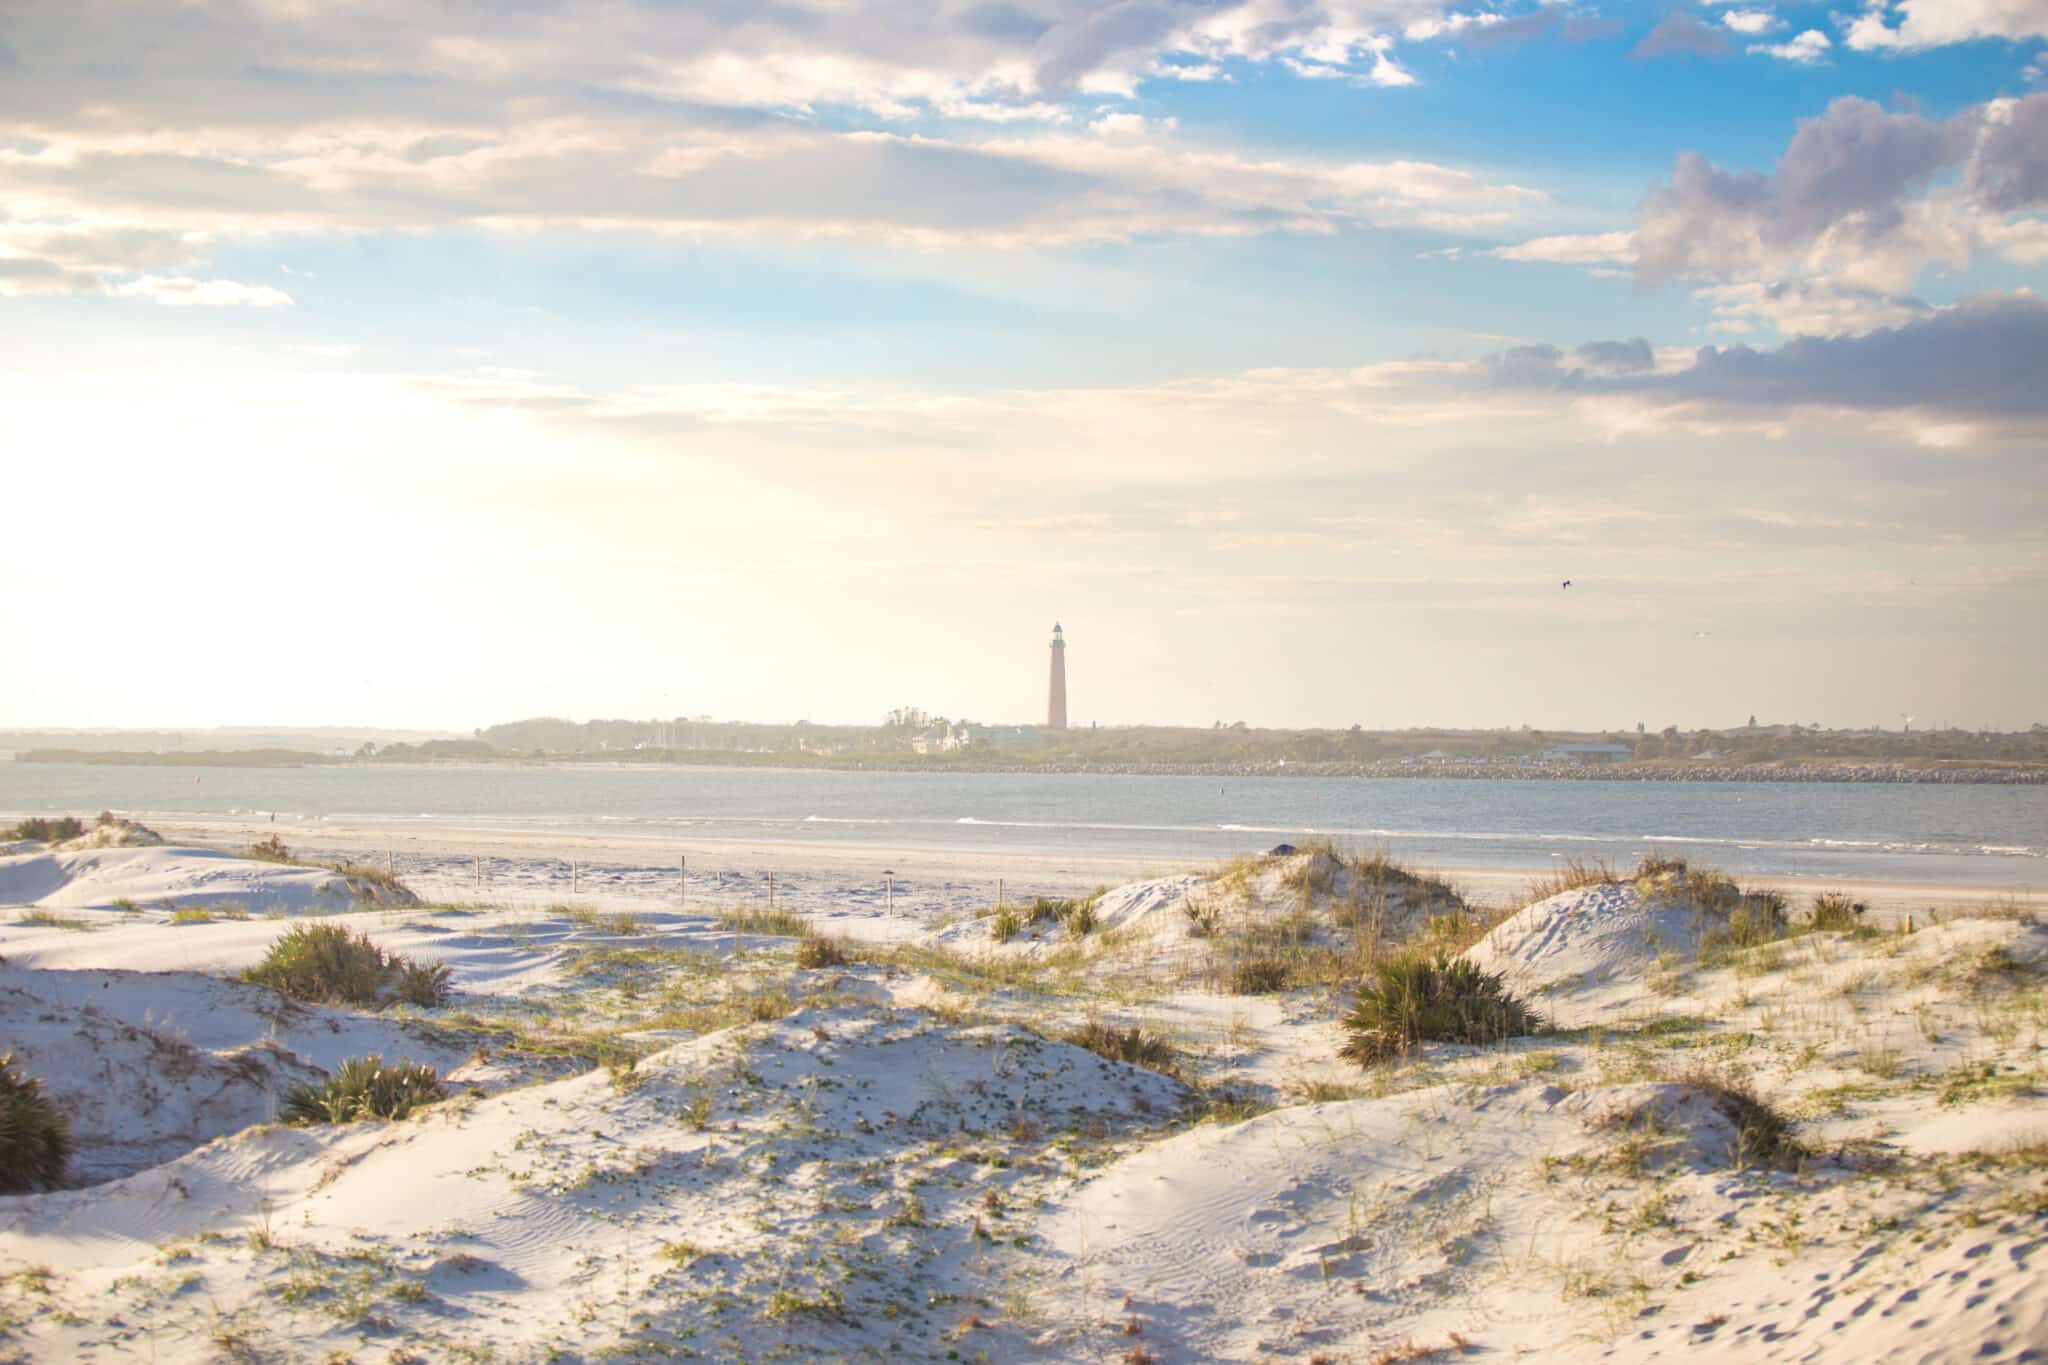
<point>1591,753</point>
<point>944,739</point>
<point>1056,689</point>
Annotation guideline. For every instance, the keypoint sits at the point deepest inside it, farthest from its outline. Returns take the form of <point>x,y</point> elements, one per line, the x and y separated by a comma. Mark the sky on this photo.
<point>420,363</point>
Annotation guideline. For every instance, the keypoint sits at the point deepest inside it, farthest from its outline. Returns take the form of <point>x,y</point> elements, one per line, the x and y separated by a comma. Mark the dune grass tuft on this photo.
<point>814,953</point>
<point>364,1088</point>
<point>35,1140</point>
<point>1412,998</point>
<point>324,964</point>
<point>1136,1046</point>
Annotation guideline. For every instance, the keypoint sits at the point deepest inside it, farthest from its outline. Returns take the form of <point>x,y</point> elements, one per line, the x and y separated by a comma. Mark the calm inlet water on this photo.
<point>1993,836</point>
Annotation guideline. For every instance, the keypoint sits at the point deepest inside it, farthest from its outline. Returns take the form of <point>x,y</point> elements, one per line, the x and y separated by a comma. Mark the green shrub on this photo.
<point>324,964</point>
<point>1412,999</point>
<point>364,1088</point>
<point>1835,912</point>
<point>1005,925</point>
<point>814,953</point>
<point>270,850</point>
<point>1135,1045</point>
<point>49,831</point>
<point>425,984</point>
<point>35,1141</point>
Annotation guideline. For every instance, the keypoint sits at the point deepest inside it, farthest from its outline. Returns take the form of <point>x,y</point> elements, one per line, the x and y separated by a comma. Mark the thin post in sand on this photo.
<point>999,895</point>
<point>771,890</point>
<point>479,870</point>
<point>575,877</point>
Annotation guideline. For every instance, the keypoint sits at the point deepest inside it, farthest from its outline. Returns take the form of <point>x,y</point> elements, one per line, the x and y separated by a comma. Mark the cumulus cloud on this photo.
<point>1915,25</point>
<point>1681,34</point>
<point>1850,197</point>
<point>1750,22</point>
<point>1806,49</point>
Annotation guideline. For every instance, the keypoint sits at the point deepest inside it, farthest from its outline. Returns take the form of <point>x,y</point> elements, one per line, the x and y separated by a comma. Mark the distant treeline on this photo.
<point>911,739</point>
<point>935,741</point>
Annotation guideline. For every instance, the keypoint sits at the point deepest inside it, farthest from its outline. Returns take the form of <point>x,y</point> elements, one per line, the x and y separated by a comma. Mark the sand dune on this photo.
<point>669,1139</point>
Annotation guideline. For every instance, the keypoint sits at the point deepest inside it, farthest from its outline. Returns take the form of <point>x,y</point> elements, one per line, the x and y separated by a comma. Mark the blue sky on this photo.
<point>863,337</point>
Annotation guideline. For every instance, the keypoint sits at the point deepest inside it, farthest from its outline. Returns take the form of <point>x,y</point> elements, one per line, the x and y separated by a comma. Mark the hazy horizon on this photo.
<point>808,360</point>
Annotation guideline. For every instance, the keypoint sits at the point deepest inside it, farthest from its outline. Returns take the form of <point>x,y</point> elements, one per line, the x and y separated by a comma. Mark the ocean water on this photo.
<point>1978,835</point>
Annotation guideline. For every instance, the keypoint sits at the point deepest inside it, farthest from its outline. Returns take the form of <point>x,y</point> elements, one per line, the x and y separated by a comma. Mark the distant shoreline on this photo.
<point>2017,774</point>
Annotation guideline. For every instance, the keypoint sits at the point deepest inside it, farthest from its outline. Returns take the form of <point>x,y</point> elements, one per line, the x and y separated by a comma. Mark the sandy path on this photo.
<point>959,872</point>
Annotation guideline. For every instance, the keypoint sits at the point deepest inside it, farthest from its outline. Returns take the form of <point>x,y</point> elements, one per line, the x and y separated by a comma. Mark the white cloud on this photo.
<point>1750,22</point>
<point>1597,248</point>
<point>179,292</point>
<point>1806,49</point>
<point>1809,308</point>
<point>1925,24</point>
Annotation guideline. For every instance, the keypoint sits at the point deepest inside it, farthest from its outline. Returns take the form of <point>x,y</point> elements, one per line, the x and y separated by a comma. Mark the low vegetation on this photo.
<point>1135,1045</point>
<point>1412,998</point>
<point>35,1141</point>
<point>48,831</point>
<point>814,953</point>
<point>324,964</point>
<point>365,1088</point>
<point>1836,913</point>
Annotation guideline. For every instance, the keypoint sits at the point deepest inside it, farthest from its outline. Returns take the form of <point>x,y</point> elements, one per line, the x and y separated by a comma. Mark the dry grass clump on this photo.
<point>1834,912</point>
<point>1764,1134</point>
<point>1136,1046</point>
<point>1573,875</point>
<point>814,953</point>
<point>1257,976</point>
<point>35,1140</point>
<point>48,831</point>
<point>1075,915</point>
<point>768,923</point>
<point>364,1088</point>
<point>324,964</point>
<point>1413,998</point>
<point>270,850</point>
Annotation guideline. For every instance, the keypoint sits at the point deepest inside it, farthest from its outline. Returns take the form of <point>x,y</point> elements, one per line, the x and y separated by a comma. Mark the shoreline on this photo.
<point>1023,873</point>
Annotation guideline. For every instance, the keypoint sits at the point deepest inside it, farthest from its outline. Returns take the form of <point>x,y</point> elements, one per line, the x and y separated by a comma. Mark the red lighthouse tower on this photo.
<point>1056,691</point>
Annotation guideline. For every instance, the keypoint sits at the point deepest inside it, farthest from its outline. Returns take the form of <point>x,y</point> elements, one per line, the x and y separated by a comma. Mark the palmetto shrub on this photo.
<point>364,1088</point>
<point>324,964</point>
<point>35,1141</point>
<point>425,984</point>
<point>1413,999</point>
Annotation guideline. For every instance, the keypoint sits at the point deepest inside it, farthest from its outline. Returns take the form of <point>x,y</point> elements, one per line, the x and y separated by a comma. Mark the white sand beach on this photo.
<point>668,1135</point>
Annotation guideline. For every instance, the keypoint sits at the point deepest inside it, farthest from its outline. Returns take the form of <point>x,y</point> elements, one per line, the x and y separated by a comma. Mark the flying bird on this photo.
<point>1567,583</point>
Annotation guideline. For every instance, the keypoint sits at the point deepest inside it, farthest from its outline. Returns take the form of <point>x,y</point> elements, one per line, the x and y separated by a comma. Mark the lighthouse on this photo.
<point>1056,690</point>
